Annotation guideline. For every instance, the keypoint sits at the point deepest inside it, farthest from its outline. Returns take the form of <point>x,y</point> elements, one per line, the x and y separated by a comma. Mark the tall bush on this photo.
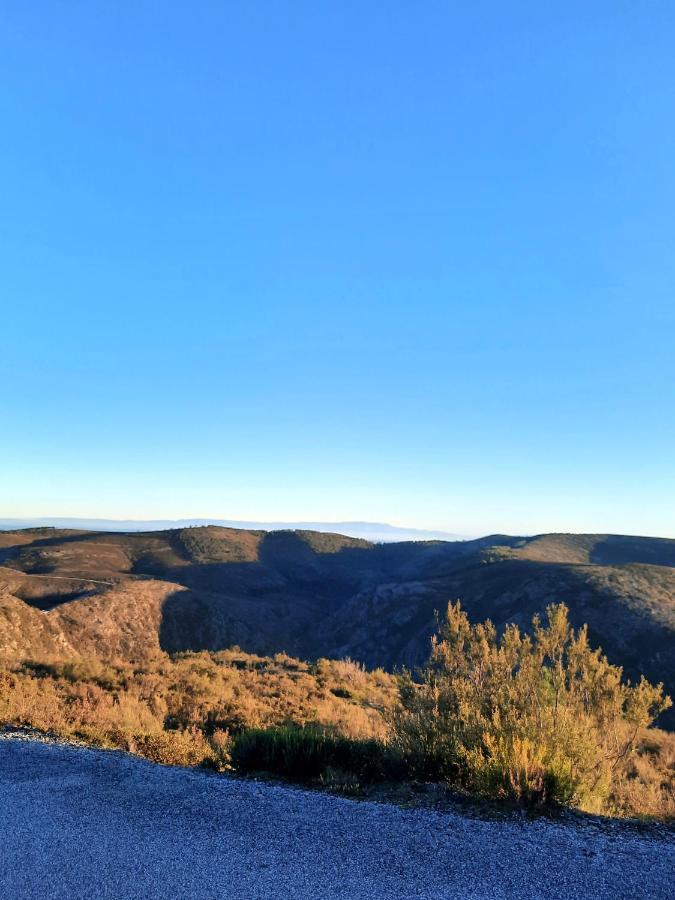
<point>537,718</point>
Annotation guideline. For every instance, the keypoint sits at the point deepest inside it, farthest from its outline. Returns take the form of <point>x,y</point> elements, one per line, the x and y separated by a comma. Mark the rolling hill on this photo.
<point>312,594</point>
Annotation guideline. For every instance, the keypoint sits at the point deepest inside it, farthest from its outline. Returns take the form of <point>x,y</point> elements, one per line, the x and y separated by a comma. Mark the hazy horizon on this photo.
<point>407,264</point>
<point>371,531</point>
<point>374,531</point>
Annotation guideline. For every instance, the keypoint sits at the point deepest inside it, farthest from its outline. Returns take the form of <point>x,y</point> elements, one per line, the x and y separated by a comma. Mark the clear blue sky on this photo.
<point>410,262</point>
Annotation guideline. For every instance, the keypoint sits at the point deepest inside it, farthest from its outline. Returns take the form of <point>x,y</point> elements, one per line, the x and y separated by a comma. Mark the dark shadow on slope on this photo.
<point>7,553</point>
<point>276,602</point>
<point>51,599</point>
<point>620,550</point>
<point>194,620</point>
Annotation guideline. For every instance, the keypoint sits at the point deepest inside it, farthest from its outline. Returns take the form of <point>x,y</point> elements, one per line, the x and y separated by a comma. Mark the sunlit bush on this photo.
<point>538,718</point>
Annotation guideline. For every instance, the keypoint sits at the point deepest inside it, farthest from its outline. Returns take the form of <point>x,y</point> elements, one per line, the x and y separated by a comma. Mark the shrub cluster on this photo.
<point>310,752</point>
<point>539,718</point>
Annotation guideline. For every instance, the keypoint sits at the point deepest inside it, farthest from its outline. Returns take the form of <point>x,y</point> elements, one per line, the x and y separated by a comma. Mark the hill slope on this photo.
<point>319,594</point>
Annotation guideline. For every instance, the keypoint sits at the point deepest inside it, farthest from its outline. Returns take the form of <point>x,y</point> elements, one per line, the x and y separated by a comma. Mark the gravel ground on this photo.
<point>78,823</point>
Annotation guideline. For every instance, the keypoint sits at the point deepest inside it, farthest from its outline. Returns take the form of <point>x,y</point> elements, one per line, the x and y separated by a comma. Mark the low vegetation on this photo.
<point>536,720</point>
<point>186,709</point>
<point>311,751</point>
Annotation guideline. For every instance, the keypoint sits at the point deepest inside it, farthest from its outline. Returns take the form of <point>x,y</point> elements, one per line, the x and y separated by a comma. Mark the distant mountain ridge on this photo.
<point>312,594</point>
<point>377,532</point>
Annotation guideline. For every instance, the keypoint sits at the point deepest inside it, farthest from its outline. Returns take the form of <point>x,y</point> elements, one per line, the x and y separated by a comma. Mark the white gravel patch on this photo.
<point>79,823</point>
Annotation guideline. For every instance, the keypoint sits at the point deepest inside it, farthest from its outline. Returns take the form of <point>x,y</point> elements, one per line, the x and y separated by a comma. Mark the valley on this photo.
<point>313,594</point>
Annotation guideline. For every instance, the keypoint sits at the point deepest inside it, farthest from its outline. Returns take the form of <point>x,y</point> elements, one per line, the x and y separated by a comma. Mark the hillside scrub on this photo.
<point>184,710</point>
<point>482,716</point>
<point>538,719</point>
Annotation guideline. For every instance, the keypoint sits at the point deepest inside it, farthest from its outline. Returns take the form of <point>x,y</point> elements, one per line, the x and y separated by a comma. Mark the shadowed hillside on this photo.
<point>318,594</point>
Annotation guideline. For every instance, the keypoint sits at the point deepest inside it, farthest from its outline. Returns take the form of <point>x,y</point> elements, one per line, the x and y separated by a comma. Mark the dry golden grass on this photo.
<point>645,784</point>
<point>182,710</point>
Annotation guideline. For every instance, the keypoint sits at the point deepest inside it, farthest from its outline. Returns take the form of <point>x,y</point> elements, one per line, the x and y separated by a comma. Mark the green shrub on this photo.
<point>310,752</point>
<point>537,719</point>
<point>288,750</point>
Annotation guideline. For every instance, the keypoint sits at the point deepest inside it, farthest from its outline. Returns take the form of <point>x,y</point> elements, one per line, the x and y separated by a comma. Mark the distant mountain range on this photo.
<point>377,532</point>
<point>65,592</point>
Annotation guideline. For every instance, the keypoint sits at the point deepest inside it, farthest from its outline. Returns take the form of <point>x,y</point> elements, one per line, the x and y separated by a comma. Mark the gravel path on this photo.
<point>78,823</point>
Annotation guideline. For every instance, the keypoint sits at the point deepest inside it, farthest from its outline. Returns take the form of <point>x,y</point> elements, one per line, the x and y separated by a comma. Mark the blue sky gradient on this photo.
<point>386,261</point>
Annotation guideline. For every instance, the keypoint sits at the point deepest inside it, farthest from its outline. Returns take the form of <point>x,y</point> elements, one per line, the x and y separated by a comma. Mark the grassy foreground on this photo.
<point>473,719</point>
